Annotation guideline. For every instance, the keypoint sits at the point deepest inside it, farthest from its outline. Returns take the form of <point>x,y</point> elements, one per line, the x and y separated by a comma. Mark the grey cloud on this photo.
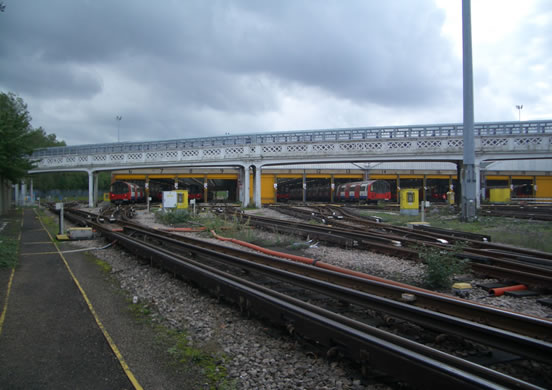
<point>370,51</point>
<point>211,65</point>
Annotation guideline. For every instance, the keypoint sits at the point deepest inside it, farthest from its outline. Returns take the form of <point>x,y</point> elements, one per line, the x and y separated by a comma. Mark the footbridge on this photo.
<point>251,152</point>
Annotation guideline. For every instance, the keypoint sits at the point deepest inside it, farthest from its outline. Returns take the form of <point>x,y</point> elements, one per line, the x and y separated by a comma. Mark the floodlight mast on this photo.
<point>469,181</point>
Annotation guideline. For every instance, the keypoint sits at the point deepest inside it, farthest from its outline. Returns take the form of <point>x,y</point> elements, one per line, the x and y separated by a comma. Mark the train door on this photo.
<point>356,192</point>
<point>363,195</point>
<point>340,193</point>
<point>350,192</point>
<point>132,192</point>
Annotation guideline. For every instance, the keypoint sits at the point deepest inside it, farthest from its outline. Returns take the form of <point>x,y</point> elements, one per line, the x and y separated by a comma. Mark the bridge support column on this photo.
<point>16,194</point>
<point>332,188</point>
<point>483,186</point>
<point>245,189</point>
<point>23,197</point>
<point>32,197</point>
<point>257,188</point>
<point>304,191</point>
<point>477,169</point>
<point>96,180</point>
<point>90,189</point>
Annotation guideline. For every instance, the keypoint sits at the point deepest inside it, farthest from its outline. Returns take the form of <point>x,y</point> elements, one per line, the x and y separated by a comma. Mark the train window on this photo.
<point>119,187</point>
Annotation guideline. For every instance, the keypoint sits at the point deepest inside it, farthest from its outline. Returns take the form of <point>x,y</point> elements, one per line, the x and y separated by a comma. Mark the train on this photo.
<point>369,191</point>
<point>125,192</point>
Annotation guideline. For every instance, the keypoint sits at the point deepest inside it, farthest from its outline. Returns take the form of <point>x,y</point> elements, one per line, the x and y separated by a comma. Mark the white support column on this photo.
<point>22,198</point>
<point>90,189</point>
<point>16,198</point>
<point>32,192</point>
<point>257,191</point>
<point>246,185</point>
<point>95,199</point>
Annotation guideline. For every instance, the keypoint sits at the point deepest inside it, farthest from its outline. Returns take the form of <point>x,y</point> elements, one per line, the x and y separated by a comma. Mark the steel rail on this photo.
<point>472,240</point>
<point>358,341</point>
<point>487,315</point>
<point>324,282</point>
<point>539,276</point>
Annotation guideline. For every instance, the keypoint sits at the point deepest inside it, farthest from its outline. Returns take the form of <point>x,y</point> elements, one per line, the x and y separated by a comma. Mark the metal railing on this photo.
<point>306,136</point>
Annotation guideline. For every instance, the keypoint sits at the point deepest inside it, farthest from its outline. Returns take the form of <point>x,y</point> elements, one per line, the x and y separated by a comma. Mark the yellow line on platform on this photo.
<point>5,308</point>
<point>8,290</point>
<point>36,243</point>
<point>110,341</point>
<point>38,253</point>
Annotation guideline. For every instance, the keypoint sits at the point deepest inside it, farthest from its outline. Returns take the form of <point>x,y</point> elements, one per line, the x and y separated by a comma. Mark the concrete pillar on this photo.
<point>31,192</point>
<point>4,196</point>
<point>483,183</point>
<point>246,186</point>
<point>147,192</point>
<point>304,186</point>
<point>96,180</point>
<point>22,198</point>
<point>332,188</point>
<point>16,199</point>
<point>90,189</point>
<point>424,185</point>
<point>257,187</point>
<point>275,188</point>
<point>398,188</point>
<point>205,189</point>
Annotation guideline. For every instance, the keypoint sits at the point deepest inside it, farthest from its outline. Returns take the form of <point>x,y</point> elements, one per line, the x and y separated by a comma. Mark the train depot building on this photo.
<point>528,179</point>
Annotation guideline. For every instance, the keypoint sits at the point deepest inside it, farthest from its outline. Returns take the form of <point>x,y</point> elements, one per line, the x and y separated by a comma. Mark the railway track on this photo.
<point>266,289</point>
<point>517,264</point>
<point>535,212</point>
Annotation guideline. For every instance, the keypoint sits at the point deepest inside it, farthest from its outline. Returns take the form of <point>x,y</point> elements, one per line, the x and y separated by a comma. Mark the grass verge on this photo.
<point>516,232</point>
<point>206,359</point>
<point>9,238</point>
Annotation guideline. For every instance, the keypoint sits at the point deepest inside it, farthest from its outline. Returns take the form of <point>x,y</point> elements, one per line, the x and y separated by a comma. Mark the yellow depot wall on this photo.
<point>382,177</point>
<point>129,177</point>
<point>267,189</point>
<point>499,195</point>
<point>544,187</point>
<point>349,176</point>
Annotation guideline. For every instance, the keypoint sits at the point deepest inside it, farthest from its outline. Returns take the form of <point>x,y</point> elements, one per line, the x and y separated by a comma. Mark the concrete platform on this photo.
<point>49,336</point>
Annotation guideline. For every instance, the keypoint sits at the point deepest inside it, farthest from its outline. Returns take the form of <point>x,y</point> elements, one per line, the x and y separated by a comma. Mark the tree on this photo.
<point>15,130</point>
<point>18,139</point>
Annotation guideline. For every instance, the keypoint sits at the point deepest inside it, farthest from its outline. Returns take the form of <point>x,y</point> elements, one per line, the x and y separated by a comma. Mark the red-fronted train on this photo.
<point>359,191</point>
<point>125,192</point>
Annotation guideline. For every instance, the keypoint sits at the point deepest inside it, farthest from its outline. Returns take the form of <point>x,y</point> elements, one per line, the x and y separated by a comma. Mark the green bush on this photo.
<point>173,217</point>
<point>8,252</point>
<point>441,265</point>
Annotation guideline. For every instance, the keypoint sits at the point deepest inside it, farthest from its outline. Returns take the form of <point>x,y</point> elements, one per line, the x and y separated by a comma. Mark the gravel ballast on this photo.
<point>258,355</point>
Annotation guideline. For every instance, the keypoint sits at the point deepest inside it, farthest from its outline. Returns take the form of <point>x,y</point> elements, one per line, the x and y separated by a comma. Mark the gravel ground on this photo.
<point>259,356</point>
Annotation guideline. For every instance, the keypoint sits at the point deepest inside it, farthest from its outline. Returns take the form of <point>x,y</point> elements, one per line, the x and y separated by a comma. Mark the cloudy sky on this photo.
<point>180,69</point>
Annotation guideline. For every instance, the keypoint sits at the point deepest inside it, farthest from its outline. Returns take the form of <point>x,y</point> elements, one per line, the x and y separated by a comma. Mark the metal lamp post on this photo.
<point>519,107</point>
<point>118,118</point>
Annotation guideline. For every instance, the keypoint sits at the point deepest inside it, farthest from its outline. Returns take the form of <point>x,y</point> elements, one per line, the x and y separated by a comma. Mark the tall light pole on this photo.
<point>118,119</point>
<point>469,179</point>
<point>519,107</point>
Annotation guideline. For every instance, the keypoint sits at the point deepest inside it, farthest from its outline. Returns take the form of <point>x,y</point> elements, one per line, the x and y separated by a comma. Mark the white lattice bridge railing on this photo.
<point>347,144</point>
